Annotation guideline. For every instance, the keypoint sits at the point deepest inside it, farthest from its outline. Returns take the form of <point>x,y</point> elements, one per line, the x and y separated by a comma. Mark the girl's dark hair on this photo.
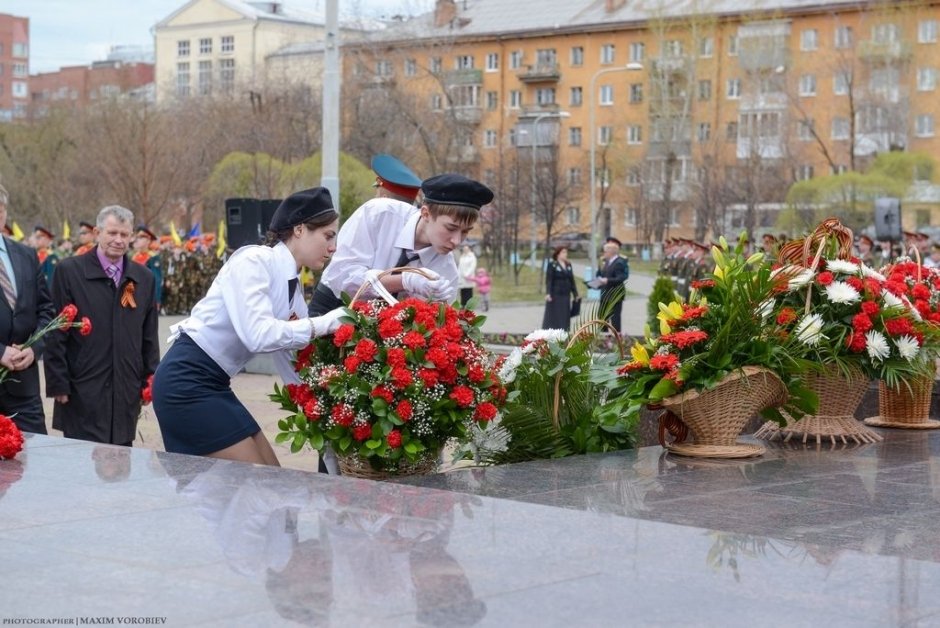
<point>283,235</point>
<point>556,251</point>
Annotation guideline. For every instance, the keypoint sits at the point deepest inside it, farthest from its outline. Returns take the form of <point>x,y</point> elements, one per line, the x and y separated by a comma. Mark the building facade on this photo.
<point>697,122</point>
<point>78,86</point>
<point>14,66</point>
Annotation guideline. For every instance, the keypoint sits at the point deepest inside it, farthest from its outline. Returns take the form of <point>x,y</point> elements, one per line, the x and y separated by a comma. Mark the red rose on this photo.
<point>404,410</point>
<point>342,414</point>
<point>352,363</point>
<point>362,432</point>
<point>462,396</point>
<point>382,392</point>
<point>414,340</point>
<point>85,329</point>
<point>861,323</point>
<point>365,350</point>
<point>344,334</point>
<point>665,362</point>
<point>824,278</point>
<point>485,412</point>
<point>394,439</point>
<point>870,307</point>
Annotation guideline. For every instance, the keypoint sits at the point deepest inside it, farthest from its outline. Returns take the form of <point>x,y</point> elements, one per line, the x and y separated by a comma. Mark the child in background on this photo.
<point>482,280</point>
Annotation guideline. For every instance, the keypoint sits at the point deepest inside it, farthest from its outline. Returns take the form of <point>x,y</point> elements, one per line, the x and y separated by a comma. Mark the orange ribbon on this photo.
<point>127,298</point>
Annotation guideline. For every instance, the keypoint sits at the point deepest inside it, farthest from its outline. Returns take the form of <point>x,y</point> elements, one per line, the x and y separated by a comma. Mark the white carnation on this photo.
<point>841,292</point>
<point>548,335</point>
<point>809,330</point>
<point>877,346</point>
<point>907,347</point>
<point>842,266</point>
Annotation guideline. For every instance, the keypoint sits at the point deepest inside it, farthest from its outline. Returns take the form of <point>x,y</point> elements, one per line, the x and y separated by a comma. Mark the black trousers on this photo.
<point>323,301</point>
<point>26,412</point>
<point>465,295</point>
<point>616,309</point>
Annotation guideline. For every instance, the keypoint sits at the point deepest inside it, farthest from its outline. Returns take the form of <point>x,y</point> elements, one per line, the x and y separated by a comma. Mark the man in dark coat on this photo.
<point>612,273</point>
<point>25,306</point>
<point>97,380</point>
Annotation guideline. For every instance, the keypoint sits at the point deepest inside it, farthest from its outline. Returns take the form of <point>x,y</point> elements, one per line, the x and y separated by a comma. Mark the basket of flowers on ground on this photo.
<point>715,363</point>
<point>391,387</point>
<point>850,321</point>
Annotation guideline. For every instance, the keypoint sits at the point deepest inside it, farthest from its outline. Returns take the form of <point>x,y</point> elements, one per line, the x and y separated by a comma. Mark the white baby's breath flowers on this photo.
<point>841,266</point>
<point>877,345</point>
<point>809,330</point>
<point>841,292</point>
<point>907,347</point>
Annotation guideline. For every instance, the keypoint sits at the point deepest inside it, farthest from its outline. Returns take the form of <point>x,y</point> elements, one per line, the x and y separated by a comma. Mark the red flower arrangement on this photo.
<point>64,321</point>
<point>11,439</point>
<point>392,385</point>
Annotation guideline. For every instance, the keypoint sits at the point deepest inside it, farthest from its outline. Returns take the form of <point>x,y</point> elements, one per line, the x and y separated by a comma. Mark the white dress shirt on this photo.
<point>373,237</point>
<point>246,311</point>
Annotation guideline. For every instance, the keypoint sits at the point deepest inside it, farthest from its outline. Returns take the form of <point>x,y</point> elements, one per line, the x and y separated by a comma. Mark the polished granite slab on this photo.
<point>801,537</point>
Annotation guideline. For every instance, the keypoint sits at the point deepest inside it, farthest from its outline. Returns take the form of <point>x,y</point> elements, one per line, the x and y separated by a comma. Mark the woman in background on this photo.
<point>560,289</point>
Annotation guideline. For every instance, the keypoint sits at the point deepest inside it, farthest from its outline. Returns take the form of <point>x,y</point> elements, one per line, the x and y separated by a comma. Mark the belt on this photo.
<point>323,301</point>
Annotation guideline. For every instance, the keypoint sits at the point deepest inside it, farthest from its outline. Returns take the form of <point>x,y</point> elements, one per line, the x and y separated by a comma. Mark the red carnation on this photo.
<point>786,316</point>
<point>691,313</point>
<point>899,326</point>
<point>394,439</point>
<point>920,291</point>
<point>664,362</point>
<point>146,395</point>
<point>485,412</point>
<point>342,414</point>
<point>438,357</point>
<point>404,410</point>
<point>390,328</point>
<point>311,411</point>
<point>383,392</point>
<point>365,350</point>
<point>897,288</point>
<point>396,357</point>
<point>363,307</point>
<point>414,340</point>
<point>824,278</point>
<point>872,286</point>
<point>476,374</point>
<point>11,438</point>
<point>303,357</point>
<point>351,363</point>
<point>362,432</point>
<point>701,284</point>
<point>870,307</point>
<point>683,339</point>
<point>430,377</point>
<point>861,323</point>
<point>69,312</point>
<point>462,396</point>
<point>856,342</point>
<point>401,377</point>
<point>344,334</point>
<point>449,374</point>
<point>85,329</point>
<point>856,282</point>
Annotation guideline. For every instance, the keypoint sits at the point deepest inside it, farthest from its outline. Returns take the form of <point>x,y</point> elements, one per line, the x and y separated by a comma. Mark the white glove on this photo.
<point>328,323</point>
<point>431,287</point>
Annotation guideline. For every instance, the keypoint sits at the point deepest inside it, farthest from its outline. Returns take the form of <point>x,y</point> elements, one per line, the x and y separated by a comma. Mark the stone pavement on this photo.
<point>253,389</point>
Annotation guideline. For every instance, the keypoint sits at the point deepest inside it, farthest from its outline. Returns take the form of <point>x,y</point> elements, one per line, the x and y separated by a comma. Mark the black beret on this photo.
<point>44,231</point>
<point>86,224</point>
<point>613,240</point>
<point>455,189</point>
<point>300,207</point>
<point>142,230</point>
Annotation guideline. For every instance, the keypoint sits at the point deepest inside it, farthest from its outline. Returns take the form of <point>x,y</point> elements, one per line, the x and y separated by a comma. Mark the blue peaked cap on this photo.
<point>394,171</point>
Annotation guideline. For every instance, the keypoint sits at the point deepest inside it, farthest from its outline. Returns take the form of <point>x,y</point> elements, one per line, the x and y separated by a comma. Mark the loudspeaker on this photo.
<point>247,220</point>
<point>888,219</point>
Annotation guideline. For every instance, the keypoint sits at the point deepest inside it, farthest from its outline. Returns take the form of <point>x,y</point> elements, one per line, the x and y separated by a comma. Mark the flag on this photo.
<point>195,231</point>
<point>18,234</point>
<point>177,240</point>
<point>220,247</point>
<point>66,230</point>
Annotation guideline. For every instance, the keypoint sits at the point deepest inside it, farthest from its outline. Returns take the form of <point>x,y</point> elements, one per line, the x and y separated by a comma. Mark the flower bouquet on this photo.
<point>63,321</point>
<point>391,387</point>
<point>11,438</point>
<point>715,362</point>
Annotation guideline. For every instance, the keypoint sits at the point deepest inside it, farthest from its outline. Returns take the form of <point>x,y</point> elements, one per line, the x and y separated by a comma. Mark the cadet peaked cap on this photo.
<point>392,170</point>
<point>86,224</point>
<point>44,231</point>
<point>865,238</point>
<point>455,189</point>
<point>613,240</point>
<point>142,230</point>
<point>300,207</point>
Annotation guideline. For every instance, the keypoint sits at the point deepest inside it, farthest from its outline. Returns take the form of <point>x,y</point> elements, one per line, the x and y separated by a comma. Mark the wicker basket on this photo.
<point>354,465</point>
<point>907,408</point>
<point>834,421</point>
<point>716,417</point>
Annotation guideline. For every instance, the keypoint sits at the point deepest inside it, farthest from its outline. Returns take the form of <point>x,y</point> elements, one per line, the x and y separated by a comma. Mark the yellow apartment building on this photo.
<point>697,116</point>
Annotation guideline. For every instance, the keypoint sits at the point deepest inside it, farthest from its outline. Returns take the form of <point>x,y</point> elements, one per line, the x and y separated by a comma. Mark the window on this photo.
<point>205,77</point>
<point>574,136</point>
<point>492,62</point>
<point>672,48</point>
<point>20,90</point>
<point>840,128</point>
<point>840,83</point>
<point>604,135</point>
<point>924,126</point>
<point>629,216</point>
<point>732,45</point>
<point>809,39</point>
<point>411,67</point>
<point>759,124</point>
<point>20,69</point>
<point>804,130</point>
<point>637,52</point>
<point>734,89</point>
<point>885,33</point>
<point>705,90</point>
<point>607,54</point>
<point>926,79</point>
<point>489,138</point>
<point>436,65</point>
<point>545,96</point>
<point>22,50</point>
<point>383,67</point>
<point>808,85</point>
<point>804,172</point>
<point>515,99</point>
<point>607,95</point>
<point>844,37</point>
<point>228,44</point>
<point>577,55</point>
<point>633,177</point>
<point>636,92</point>
<point>515,60</point>
<point>182,48</point>
<point>227,74</point>
<point>492,100</point>
<point>575,96</point>
<point>574,176</point>
<point>465,96</point>
<point>706,47</point>
<point>634,134</point>
<point>463,62</point>
<point>182,79</point>
<point>704,132</point>
<point>731,132</point>
<point>927,32</point>
<point>437,102</point>
<point>840,169</point>
<point>205,46</point>
<point>573,216</point>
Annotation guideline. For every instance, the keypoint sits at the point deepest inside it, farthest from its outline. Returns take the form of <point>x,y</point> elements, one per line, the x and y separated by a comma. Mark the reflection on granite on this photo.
<point>801,536</point>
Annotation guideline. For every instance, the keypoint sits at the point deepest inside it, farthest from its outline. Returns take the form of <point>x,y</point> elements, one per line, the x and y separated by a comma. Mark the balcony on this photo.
<point>468,114</point>
<point>771,101</point>
<point>464,155</point>
<point>532,111</point>
<point>770,147</point>
<point>671,65</point>
<point>463,77</point>
<point>884,51</point>
<point>546,72</point>
<point>758,58</point>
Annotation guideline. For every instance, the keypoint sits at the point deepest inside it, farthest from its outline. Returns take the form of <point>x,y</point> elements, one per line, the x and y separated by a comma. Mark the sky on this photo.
<point>77,32</point>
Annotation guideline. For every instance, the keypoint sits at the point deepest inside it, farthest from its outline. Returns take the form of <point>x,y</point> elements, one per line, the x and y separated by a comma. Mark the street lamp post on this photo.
<point>633,66</point>
<point>534,141</point>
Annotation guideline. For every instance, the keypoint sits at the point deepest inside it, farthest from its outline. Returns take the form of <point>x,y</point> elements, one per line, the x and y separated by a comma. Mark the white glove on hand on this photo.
<point>431,287</point>
<point>328,323</point>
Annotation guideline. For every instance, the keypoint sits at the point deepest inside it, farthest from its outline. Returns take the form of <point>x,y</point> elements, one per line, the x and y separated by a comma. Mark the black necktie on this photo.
<point>406,258</point>
<point>291,286</point>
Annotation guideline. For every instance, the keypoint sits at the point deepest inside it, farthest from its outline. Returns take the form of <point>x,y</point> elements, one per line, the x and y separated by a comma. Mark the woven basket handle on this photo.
<point>382,290</point>
<point>916,252</point>
<point>556,405</point>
